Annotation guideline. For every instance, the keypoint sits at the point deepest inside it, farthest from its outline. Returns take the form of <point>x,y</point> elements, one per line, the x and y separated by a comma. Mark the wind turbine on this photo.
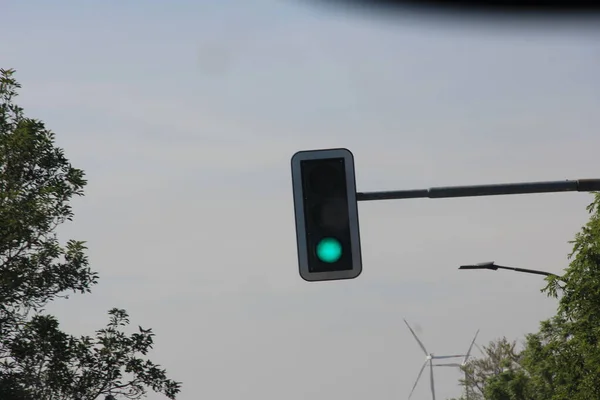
<point>464,362</point>
<point>429,357</point>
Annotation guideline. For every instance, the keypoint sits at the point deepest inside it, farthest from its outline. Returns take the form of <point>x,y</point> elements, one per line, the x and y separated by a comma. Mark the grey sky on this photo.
<point>185,115</point>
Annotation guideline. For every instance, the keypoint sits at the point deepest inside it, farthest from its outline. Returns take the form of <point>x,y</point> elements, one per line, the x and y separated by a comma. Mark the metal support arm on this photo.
<point>580,185</point>
<point>494,267</point>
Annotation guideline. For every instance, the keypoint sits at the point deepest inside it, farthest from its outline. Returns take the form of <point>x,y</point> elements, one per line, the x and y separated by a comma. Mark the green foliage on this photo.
<point>562,360</point>
<point>498,357</point>
<point>54,365</point>
<point>510,385</point>
<point>36,185</point>
<point>37,360</point>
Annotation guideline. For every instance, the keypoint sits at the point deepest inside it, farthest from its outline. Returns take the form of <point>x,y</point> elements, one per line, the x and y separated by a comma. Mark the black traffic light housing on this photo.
<point>327,232</point>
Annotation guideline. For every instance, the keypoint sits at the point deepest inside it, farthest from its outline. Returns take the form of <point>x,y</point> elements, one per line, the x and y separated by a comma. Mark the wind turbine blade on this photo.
<point>455,356</point>
<point>471,347</point>
<point>447,365</point>
<point>480,349</point>
<point>415,335</point>
<point>431,380</point>
<point>418,377</point>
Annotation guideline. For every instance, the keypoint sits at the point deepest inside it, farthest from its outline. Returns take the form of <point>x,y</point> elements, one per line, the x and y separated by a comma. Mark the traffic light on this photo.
<point>327,231</point>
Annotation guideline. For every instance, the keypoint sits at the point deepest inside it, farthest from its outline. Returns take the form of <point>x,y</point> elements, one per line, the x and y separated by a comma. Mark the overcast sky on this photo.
<point>185,115</point>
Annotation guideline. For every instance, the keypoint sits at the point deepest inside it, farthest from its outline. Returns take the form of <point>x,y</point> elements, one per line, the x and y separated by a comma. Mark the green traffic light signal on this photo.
<point>329,250</point>
<point>325,207</point>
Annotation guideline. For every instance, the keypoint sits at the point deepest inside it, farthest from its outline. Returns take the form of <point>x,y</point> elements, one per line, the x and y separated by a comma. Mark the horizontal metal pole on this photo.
<point>580,185</point>
<point>528,271</point>
<point>492,266</point>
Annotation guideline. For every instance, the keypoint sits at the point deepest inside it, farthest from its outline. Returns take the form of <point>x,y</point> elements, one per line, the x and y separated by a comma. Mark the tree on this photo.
<point>562,360</point>
<point>498,357</point>
<point>37,360</point>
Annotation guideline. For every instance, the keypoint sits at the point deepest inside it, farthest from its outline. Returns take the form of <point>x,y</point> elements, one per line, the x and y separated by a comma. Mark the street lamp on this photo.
<point>490,265</point>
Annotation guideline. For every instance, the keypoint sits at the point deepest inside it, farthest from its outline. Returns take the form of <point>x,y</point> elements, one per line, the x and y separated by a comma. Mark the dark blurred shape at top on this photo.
<point>556,9</point>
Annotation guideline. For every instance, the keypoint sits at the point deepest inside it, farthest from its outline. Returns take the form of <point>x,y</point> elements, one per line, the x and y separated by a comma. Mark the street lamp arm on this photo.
<point>491,265</point>
<point>531,271</point>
